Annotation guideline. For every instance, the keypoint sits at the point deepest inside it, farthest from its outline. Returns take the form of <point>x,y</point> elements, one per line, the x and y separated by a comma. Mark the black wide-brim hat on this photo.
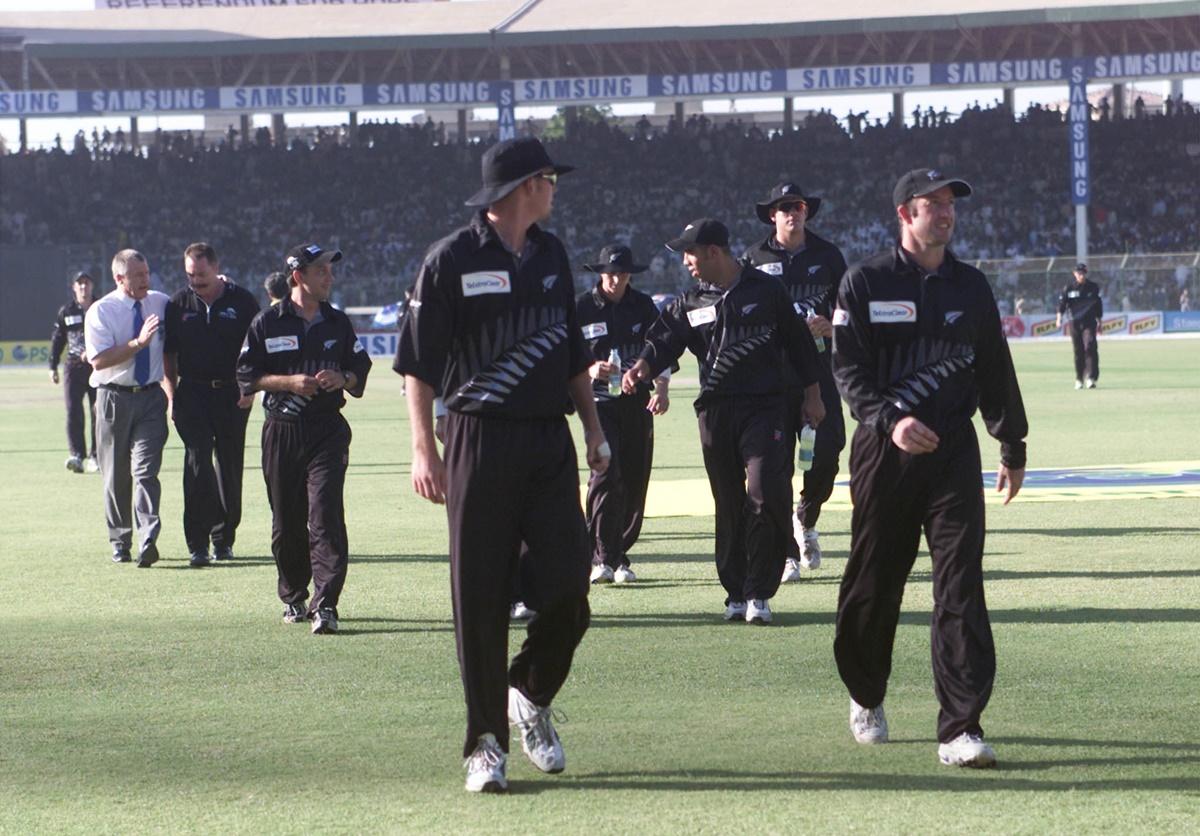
<point>780,193</point>
<point>615,258</point>
<point>508,164</point>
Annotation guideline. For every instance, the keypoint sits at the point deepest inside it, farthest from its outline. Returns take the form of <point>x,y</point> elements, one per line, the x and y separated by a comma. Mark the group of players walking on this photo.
<point>911,339</point>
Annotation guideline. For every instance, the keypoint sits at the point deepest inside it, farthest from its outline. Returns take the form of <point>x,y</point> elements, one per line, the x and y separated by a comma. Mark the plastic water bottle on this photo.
<point>808,440</point>
<point>820,341</point>
<point>614,380</point>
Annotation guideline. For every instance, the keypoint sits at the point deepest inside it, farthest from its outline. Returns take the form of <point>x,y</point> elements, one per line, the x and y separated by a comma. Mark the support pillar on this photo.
<point>24,135</point>
<point>244,127</point>
<point>1010,100</point>
<point>789,114</point>
<point>462,126</point>
<point>1118,102</point>
<point>898,108</point>
<point>278,130</point>
<point>679,115</point>
<point>352,136</point>
<point>135,141</point>
<point>571,117</point>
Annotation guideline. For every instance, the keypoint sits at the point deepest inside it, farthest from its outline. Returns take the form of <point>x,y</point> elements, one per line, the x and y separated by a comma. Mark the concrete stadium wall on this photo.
<point>34,283</point>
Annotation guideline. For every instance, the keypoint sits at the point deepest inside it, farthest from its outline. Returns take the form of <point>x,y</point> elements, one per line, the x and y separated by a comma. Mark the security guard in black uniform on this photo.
<point>810,268</point>
<point>206,326</point>
<point>304,354</point>
<point>68,334</point>
<point>742,328</point>
<point>492,328</point>
<point>1081,302</point>
<point>615,316</point>
<point>917,345</point>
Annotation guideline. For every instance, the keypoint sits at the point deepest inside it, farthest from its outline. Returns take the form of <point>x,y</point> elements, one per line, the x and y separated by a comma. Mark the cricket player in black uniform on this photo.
<point>68,334</point>
<point>615,317</point>
<point>810,268</point>
<point>303,353</point>
<point>492,329</point>
<point>917,345</point>
<point>742,328</point>
<point>1081,302</point>
<point>206,326</point>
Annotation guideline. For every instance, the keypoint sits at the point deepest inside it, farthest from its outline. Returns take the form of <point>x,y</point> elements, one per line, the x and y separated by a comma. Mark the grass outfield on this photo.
<point>174,699</point>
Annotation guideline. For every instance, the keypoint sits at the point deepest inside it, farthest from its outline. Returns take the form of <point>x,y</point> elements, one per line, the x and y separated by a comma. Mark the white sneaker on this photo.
<point>791,571</point>
<point>91,465</point>
<point>868,725</point>
<point>624,574</point>
<point>810,549</point>
<point>538,737</point>
<point>1088,383</point>
<point>735,611</point>
<point>967,750</point>
<point>520,612</point>
<point>758,611</point>
<point>601,573</point>
<point>485,766</point>
<point>1078,384</point>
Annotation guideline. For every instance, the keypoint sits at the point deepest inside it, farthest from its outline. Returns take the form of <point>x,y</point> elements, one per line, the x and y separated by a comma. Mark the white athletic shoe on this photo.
<point>868,725</point>
<point>1078,384</point>
<point>538,737</point>
<point>601,573</point>
<point>735,611</point>
<point>1088,383</point>
<point>624,574</point>
<point>91,465</point>
<point>486,765</point>
<point>791,571</point>
<point>758,611</point>
<point>810,549</point>
<point>967,750</point>
<point>520,612</point>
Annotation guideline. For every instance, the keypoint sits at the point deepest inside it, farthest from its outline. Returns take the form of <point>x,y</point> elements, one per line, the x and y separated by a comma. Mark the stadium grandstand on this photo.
<point>382,190</point>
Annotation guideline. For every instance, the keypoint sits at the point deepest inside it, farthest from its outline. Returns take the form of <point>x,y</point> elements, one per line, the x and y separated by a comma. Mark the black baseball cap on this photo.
<point>922,181</point>
<point>299,257</point>
<point>785,192</point>
<point>81,275</point>
<point>700,233</point>
<point>615,258</point>
<point>508,164</point>
<point>1081,267</point>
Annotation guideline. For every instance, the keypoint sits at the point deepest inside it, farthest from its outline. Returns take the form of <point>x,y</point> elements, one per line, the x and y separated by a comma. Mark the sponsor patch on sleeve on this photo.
<point>774,268</point>
<point>72,320</point>
<point>841,317</point>
<point>899,311</point>
<point>486,281</point>
<point>595,330</point>
<point>702,316</point>
<point>277,344</point>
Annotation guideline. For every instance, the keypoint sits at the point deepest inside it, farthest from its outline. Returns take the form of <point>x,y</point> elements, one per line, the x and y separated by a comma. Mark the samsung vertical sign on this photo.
<point>1078,117</point>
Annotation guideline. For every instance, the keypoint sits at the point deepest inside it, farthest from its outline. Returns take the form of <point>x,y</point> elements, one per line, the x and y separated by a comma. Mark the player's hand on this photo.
<point>303,384</point>
<point>149,328</point>
<point>819,326</point>
<point>911,436</point>
<point>813,409</point>
<point>598,452</point>
<point>659,404</point>
<point>639,372</point>
<point>330,379</point>
<point>54,375</point>
<point>246,401</point>
<point>429,476</point>
<point>1009,480</point>
<point>602,370</point>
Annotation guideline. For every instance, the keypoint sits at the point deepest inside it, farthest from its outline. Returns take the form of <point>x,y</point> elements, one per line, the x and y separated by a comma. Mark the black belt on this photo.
<point>116,387</point>
<point>210,384</point>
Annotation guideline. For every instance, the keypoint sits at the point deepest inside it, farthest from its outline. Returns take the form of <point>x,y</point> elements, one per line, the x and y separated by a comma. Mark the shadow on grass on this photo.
<point>1166,531</point>
<point>1149,574</point>
<point>394,625</point>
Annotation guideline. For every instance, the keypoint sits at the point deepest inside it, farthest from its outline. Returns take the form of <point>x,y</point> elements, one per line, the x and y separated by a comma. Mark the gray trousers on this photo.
<point>131,429</point>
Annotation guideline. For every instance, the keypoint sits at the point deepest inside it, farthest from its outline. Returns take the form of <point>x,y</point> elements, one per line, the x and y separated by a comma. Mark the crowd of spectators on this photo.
<point>385,197</point>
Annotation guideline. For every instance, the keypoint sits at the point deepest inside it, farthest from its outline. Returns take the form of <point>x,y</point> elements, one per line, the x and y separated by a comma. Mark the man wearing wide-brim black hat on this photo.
<point>493,330</point>
<point>614,318</point>
<point>810,268</point>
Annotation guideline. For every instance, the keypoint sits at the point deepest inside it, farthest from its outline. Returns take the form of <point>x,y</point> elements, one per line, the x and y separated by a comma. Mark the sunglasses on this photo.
<point>790,207</point>
<point>551,178</point>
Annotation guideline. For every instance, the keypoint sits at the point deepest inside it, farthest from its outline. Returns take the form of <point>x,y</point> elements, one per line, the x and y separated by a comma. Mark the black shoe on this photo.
<point>222,553</point>
<point>121,557</point>
<point>148,556</point>
<point>295,613</point>
<point>199,560</point>
<point>325,621</point>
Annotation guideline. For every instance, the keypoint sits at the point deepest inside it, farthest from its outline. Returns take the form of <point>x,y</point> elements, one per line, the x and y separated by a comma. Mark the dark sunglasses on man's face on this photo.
<point>790,207</point>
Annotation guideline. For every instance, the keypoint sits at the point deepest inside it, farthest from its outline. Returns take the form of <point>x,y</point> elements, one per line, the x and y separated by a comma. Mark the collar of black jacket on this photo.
<point>486,234</point>
<point>903,260</point>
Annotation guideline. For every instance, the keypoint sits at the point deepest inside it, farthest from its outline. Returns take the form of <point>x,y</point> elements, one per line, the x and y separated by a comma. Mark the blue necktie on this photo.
<point>141,360</point>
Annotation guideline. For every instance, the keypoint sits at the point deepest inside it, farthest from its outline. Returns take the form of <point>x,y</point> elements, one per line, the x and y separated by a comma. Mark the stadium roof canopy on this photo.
<point>494,39</point>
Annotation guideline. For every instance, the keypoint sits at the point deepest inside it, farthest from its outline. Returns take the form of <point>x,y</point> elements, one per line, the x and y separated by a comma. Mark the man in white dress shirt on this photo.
<point>125,348</point>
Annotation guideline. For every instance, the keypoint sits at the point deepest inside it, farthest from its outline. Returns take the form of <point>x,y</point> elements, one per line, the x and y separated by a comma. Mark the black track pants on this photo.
<point>748,458</point>
<point>1087,352</point>
<point>511,483</point>
<point>616,499</point>
<point>897,495</point>
<point>831,439</point>
<point>76,387</point>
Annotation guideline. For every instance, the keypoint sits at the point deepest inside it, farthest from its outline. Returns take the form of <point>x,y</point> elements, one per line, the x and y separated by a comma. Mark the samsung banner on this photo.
<point>1079,115</point>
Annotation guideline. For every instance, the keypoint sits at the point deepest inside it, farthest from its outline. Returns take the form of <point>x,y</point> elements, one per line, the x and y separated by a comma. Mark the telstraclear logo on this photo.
<point>887,312</point>
<point>486,281</point>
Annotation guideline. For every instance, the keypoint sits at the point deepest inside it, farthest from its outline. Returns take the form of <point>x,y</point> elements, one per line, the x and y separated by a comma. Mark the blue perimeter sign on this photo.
<point>456,94</point>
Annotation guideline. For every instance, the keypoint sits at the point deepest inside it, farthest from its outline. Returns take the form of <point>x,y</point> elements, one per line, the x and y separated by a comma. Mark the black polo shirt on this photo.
<point>742,338</point>
<point>207,339</point>
<point>68,334</point>
<point>1082,301</point>
<point>909,342</point>
<point>621,325</point>
<point>281,342</point>
<point>810,275</point>
<point>492,332</point>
